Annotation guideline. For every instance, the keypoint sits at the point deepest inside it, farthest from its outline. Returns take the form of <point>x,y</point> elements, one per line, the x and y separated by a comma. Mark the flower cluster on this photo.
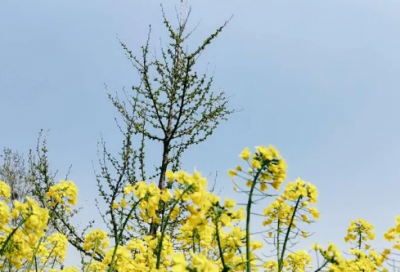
<point>359,232</point>
<point>393,234</point>
<point>189,227</point>
<point>64,191</point>
<point>23,230</point>
<point>96,240</point>
<point>266,166</point>
<point>292,206</point>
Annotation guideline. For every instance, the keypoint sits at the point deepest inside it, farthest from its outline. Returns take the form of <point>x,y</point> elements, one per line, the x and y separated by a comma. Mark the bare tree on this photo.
<point>16,172</point>
<point>172,105</point>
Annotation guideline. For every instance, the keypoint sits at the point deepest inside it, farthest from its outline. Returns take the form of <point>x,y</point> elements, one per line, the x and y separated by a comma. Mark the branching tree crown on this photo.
<point>17,173</point>
<point>173,104</point>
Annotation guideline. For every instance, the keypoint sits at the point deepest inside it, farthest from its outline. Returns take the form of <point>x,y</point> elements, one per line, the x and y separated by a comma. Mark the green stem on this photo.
<point>194,242</point>
<point>40,241</point>
<point>54,262</point>
<point>36,265</point>
<point>91,257</point>
<point>118,238</point>
<point>280,263</point>
<point>34,254</point>
<point>225,268</point>
<point>250,201</point>
<point>277,239</point>
<point>319,269</point>
<point>4,265</point>
<point>159,247</point>
<point>10,235</point>
<point>48,257</point>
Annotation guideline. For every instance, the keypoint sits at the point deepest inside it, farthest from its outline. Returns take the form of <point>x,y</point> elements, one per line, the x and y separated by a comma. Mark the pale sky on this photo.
<point>317,79</point>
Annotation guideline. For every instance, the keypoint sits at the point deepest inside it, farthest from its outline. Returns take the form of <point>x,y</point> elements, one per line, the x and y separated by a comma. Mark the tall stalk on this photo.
<point>250,201</point>
<point>280,261</point>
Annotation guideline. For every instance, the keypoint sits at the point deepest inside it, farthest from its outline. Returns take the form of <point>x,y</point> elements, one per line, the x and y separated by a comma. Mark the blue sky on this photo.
<point>317,79</point>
